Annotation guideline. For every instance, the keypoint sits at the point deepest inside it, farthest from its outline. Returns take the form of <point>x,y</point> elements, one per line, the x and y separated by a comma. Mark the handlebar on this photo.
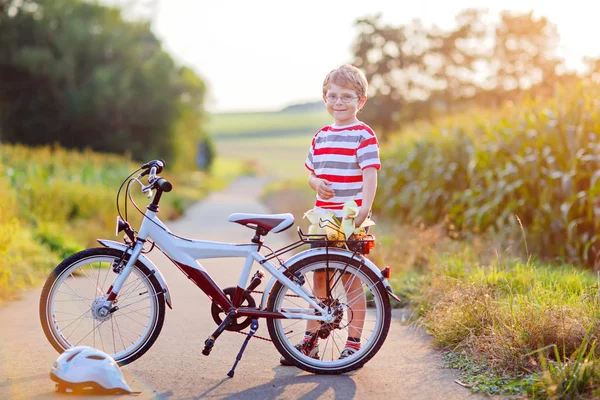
<point>152,168</point>
<point>163,185</point>
<point>158,166</point>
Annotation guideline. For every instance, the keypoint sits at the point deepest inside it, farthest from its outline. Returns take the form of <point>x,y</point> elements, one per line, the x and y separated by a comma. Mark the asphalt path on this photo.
<point>407,367</point>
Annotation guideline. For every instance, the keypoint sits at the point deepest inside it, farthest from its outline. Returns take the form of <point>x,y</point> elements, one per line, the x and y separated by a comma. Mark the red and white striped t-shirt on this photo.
<point>340,154</point>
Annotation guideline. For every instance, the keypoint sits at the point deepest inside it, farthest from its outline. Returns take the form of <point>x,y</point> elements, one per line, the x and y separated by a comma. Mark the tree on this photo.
<point>414,70</point>
<point>524,56</point>
<point>78,74</point>
<point>392,58</point>
<point>417,72</point>
<point>452,59</point>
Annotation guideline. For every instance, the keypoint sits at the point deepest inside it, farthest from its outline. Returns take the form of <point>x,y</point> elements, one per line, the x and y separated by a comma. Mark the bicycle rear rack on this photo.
<point>321,240</point>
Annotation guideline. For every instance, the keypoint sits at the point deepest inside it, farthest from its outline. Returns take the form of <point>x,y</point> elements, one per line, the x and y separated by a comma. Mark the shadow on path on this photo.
<point>297,385</point>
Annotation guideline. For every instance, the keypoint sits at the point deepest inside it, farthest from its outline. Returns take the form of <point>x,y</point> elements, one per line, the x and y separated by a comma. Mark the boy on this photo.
<point>343,161</point>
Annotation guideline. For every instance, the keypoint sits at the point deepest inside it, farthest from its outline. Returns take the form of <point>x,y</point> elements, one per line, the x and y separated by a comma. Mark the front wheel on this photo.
<point>362,315</point>
<point>71,300</point>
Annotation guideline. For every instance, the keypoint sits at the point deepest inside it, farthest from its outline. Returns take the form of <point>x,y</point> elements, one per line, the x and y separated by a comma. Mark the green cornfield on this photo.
<point>534,165</point>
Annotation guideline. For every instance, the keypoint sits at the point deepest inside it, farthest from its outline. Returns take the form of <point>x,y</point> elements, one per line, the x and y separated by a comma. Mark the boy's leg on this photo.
<point>319,290</point>
<point>355,297</point>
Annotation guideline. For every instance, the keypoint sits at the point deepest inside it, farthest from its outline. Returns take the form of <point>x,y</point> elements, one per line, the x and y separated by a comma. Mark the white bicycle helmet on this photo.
<point>88,370</point>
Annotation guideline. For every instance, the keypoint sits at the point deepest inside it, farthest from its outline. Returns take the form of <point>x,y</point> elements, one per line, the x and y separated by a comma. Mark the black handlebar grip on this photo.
<point>158,164</point>
<point>163,185</point>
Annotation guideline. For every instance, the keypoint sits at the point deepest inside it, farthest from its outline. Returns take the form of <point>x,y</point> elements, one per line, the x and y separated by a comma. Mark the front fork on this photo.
<point>114,290</point>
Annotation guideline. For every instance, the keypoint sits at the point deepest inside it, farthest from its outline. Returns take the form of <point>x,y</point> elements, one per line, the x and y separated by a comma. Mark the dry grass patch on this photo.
<point>462,312</point>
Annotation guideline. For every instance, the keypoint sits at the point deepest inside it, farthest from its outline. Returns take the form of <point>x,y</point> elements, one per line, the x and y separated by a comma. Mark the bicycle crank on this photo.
<point>237,324</point>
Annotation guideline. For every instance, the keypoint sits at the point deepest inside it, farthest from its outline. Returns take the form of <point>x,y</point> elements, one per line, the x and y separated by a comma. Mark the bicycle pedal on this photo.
<point>208,345</point>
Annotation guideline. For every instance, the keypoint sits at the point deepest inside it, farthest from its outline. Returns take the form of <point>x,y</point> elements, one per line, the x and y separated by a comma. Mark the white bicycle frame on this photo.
<point>184,253</point>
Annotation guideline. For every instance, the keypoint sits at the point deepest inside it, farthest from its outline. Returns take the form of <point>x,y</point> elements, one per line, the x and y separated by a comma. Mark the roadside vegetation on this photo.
<point>268,143</point>
<point>264,124</point>
<point>55,202</point>
<point>94,94</point>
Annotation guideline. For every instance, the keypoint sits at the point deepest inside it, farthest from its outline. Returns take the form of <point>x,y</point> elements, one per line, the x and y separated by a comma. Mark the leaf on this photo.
<point>325,222</point>
<point>317,215</point>
<point>350,209</point>
<point>315,229</point>
<point>348,227</point>
<point>367,222</point>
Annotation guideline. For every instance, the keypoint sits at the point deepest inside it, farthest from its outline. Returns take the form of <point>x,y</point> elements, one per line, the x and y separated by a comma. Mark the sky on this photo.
<point>265,54</point>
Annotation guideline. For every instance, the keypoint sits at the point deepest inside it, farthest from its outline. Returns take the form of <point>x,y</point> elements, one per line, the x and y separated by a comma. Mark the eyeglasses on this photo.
<point>345,98</point>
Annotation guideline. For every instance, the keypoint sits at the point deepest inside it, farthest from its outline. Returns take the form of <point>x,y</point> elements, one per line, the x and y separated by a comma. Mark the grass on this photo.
<point>280,157</point>
<point>56,202</point>
<point>248,124</point>
<point>63,200</point>
<point>481,378</point>
<point>504,316</point>
<point>570,378</point>
<point>268,143</point>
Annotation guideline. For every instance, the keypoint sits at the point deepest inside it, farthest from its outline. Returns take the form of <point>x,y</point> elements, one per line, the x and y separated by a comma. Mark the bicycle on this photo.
<point>114,297</point>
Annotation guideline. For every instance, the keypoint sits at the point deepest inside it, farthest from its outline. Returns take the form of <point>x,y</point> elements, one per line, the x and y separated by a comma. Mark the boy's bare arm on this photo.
<point>321,186</point>
<point>369,189</point>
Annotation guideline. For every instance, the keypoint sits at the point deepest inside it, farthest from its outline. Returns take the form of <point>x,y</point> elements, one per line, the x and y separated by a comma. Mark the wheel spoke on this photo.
<point>112,328</point>
<point>128,334</point>
<point>69,294</point>
<point>349,282</point>
<point>92,282</point>
<point>76,319</point>
<point>76,294</point>
<point>129,317</point>
<point>135,302</point>
<point>120,334</point>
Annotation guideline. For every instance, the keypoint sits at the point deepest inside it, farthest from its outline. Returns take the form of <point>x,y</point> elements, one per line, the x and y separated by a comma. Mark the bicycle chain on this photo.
<point>255,336</point>
<point>290,295</point>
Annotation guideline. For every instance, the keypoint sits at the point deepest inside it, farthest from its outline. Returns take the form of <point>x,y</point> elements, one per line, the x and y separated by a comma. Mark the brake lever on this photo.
<point>147,189</point>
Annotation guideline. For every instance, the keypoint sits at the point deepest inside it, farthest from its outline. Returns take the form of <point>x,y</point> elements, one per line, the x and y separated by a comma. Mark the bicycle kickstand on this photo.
<point>210,342</point>
<point>253,329</point>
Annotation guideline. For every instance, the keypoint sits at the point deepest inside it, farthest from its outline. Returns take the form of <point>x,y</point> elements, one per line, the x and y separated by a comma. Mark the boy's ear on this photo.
<point>362,102</point>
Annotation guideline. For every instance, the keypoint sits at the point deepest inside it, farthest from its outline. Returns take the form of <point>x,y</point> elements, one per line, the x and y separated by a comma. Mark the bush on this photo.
<point>55,202</point>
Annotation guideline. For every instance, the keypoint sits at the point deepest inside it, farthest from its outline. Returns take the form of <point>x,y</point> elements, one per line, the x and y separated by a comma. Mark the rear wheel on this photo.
<point>71,306</point>
<point>361,310</point>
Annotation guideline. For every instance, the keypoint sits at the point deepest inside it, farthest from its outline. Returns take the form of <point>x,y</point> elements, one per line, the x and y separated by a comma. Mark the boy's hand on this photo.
<point>323,189</point>
<point>359,219</point>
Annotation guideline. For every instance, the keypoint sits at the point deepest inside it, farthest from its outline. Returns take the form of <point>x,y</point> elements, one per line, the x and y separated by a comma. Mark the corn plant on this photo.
<point>538,161</point>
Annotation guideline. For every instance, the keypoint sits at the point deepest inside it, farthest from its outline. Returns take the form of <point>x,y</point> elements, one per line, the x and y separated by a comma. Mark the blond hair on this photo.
<point>347,76</point>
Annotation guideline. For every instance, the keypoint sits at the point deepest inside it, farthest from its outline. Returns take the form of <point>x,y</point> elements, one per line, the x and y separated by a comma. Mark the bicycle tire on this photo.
<point>72,269</point>
<point>286,346</point>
